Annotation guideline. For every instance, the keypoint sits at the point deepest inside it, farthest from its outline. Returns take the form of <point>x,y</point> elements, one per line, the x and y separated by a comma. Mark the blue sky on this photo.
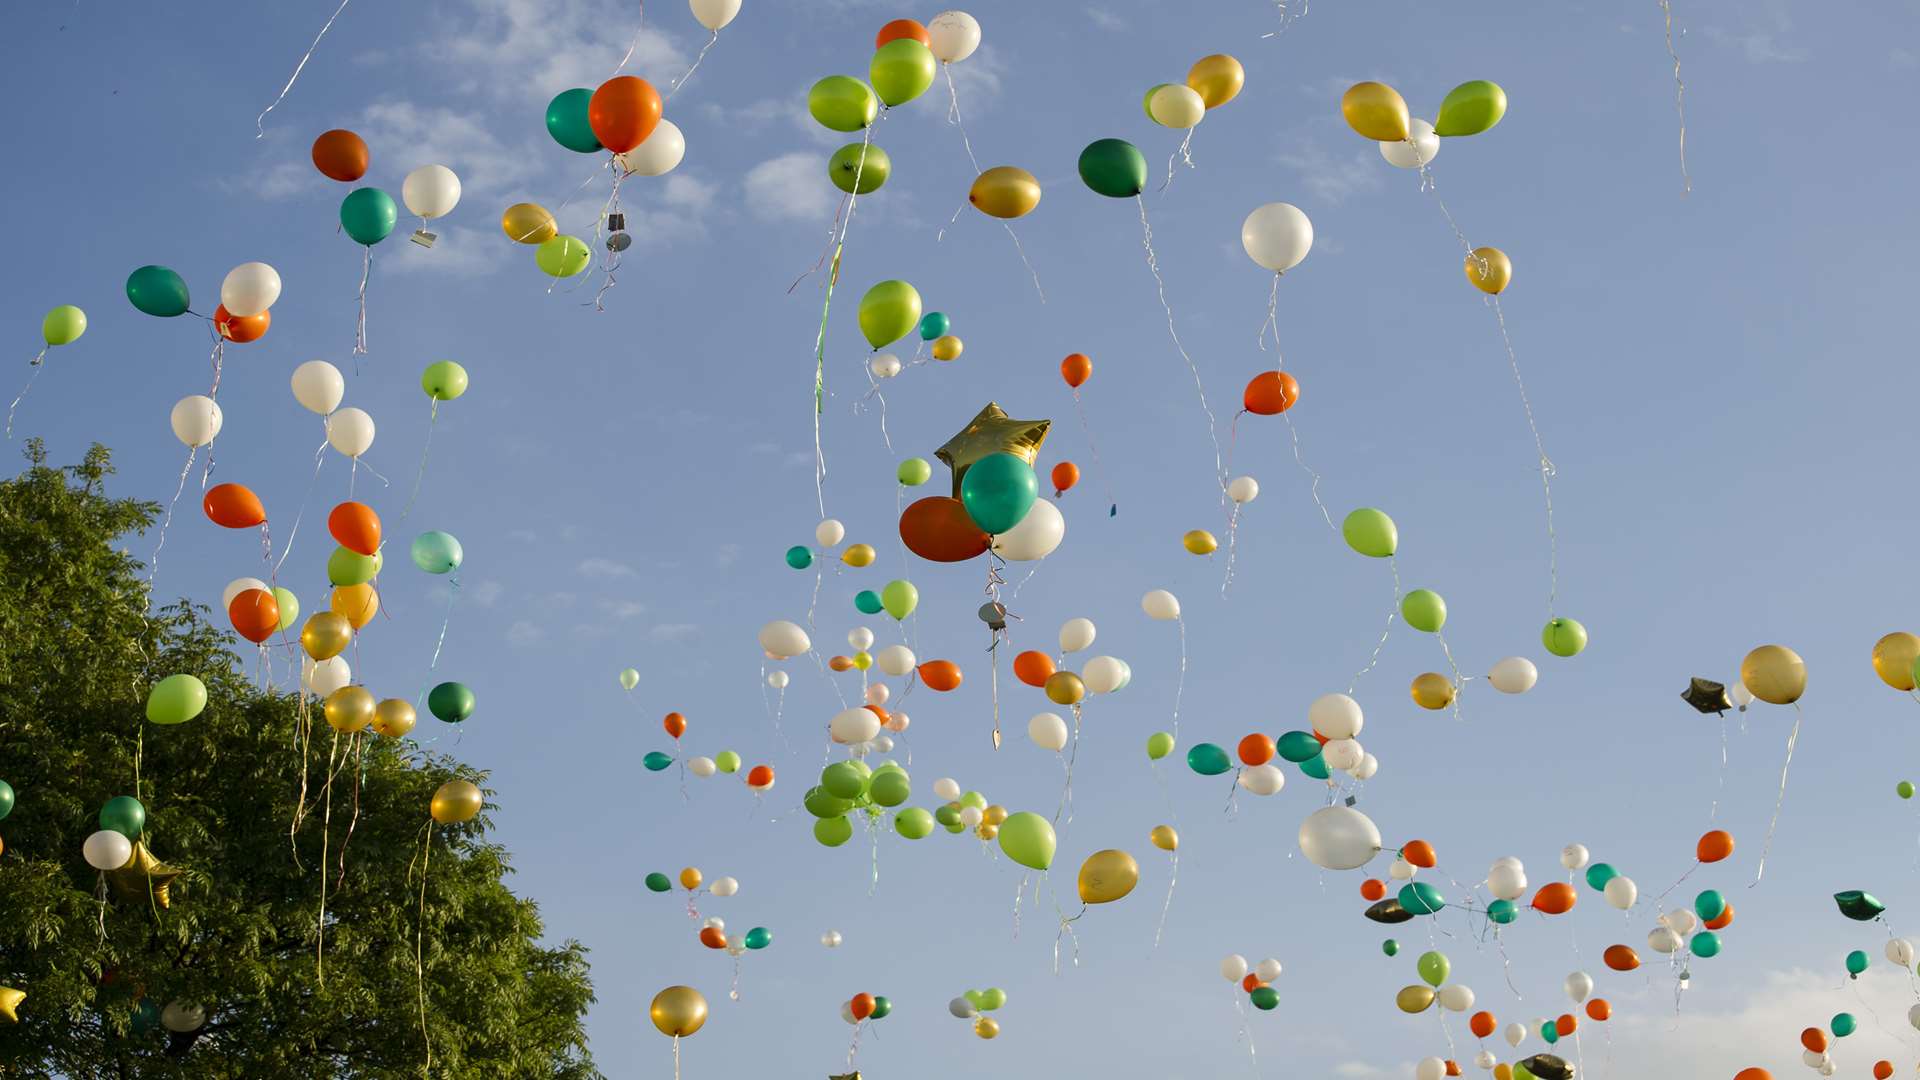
<point>1721,379</point>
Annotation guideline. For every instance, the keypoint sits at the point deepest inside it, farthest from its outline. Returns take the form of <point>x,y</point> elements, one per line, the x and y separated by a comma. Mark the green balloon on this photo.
<point>562,256</point>
<point>843,779</point>
<point>727,761</point>
<point>124,814</point>
<point>157,290</point>
<point>444,380</point>
<point>1208,759</point>
<point>1856,960</point>
<point>992,998</point>
<point>902,69</point>
<point>567,120</point>
<point>854,176</point>
<point>1114,168</point>
<point>657,760</point>
<point>974,799</point>
<point>890,788</point>
<point>1550,1032</point>
<point>289,607</point>
<point>1502,912</point>
<point>1146,103</point>
<point>1159,745</point>
<point>1298,746</point>
<point>1598,874</point>
<point>659,882</point>
<point>1705,944</point>
<point>1371,533</point>
<point>1859,906</point>
<point>1564,637</point>
<point>881,1006</point>
<point>914,823</point>
<point>1421,898</point>
<point>948,816</point>
<point>1470,108</point>
<point>899,598</point>
<point>452,702</point>
<point>888,312</point>
<point>1842,1025</point>
<point>436,552</point>
<point>1028,839</point>
<point>368,215</point>
<point>973,998</point>
<point>799,556</point>
<point>867,602</point>
<point>347,567</point>
<point>759,937</point>
<point>1390,947</point>
<point>822,803</point>
<point>176,699</point>
<point>1709,905</point>
<point>1520,1070</point>
<point>1424,610</point>
<point>1264,997</point>
<point>914,471</point>
<point>997,492</point>
<point>842,103</point>
<point>1316,767</point>
<point>833,831</point>
<point>6,799</point>
<point>1904,789</point>
<point>63,325</point>
<point>1434,968</point>
<point>934,324</point>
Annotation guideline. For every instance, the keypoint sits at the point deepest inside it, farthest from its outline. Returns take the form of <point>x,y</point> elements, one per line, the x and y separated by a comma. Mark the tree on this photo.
<point>240,935</point>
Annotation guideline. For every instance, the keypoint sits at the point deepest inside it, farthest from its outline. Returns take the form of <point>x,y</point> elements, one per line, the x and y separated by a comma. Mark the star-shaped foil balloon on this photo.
<point>143,872</point>
<point>10,1000</point>
<point>1707,696</point>
<point>855,1075</point>
<point>992,432</point>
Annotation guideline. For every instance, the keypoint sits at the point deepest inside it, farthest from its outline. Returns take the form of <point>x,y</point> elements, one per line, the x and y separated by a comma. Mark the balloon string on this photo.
<point>1272,322</point>
<point>1679,98</point>
<point>1173,878</point>
<point>682,80</point>
<point>1392,614</point>
<point>1018,892</point>
<point>1286,18</point>
<point>1547,470</point>
<point>1459,680</point>
<point>303,738</point>
<point>1024,261</point>
<point>426,448</point>
<point>1793,737</point>
<point>260,122</point>
<point>153,567</point>
<point>676,1057</point>
<point>1066,791</point>
<point>1181,153</point>
<point>639,30</point>
<point>1312,474</point>
<point>1246,1034</point>
<point>820,384</point>
<point>39,362</point>
<point>453,593</point>
<point>326,825</point>
<point>1113,507</point>
<point>358,750</point>
<point>420,938</point>
<point>1066,930</point>
<point>873,391</point>
<point>1720,785</point>
<point>873,836</point>
<point>953,115</point>
<point>1233,548</point>
<point>1180,684</point>
<point>360,326</point>
<point>611,265</point>
<point>1153,265</point>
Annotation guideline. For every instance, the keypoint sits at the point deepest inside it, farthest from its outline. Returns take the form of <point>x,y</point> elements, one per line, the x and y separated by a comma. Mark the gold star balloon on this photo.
<point>142,873</point>
<point>10,1000</point>
<point>992,432</point>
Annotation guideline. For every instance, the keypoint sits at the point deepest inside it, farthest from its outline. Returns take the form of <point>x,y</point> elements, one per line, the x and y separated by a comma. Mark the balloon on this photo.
<point>1107,876</point>
<point>1027,838</point>
<point>1299,746</point>
<point>1621,892</point>
<point>1114,168</point>
<point>890,788</point>
<point>1433,968</point>
<point>914,471</point>
<point>1433,691</point>
<point>1507,880</point>
<point>340,155</point>
<point>1456,998</point>
<point>901,70</point>
<point>1076,369</point>
<point>444,380</point>
<point>350,431</point>
<point>318,386</point>
<point>1376,111</point>
<point>1424,610</point>
<point>233,506</point>
<point>1709,904</point>
<point>953,35</point>
<point>1037,534</point>
<point>1419,148</point>
<point>914,823</point>
<point>451,702</point>
<point>678,1011</point>
<point>895,660</point>
<point>1164,838</point>
<point>1065,688</point>
<point>1705,944</point>
<point>1048,731</point>
<point>1244,489</point>
<point>326,635</point>
<point>1234,968</point>
<point>940,675</point>
<point>393,717</point>
<point>1277,236</point>
<point>354,526</point>
<point>1514,675</point>
<point>1005,191</point>
<point>429,191</point>
<point>196,420</point>
<point>1489,269</point>
<point>783,639</point>
<point>842,103</point>
<point>1159,745</point>
<point>1414,999</point>
<point>255,615</point>
<point>323,677</point>
<point>1775,674</point>
<point>107,850</point>
<point>157,290</point>
<point>858,168</point>
<point>1175,106</point>
<point>1470,108</point>
<point>1900,952</point>
<point>1421,898</point>
<point>351,568</point>
<point>1334,716</point>
<point>249,289</point>
<point>63,325</point>
<point>998,490</point>
<point>1893,659</point>
<point>528,223</point>
<point>124,814</point>
<point>1065,474</point>
<point>1255,749</point>
<point>562,256</point>
<point>1339,838</point>
<point>888,312</point>
<point>986,1027</point>
<point>623,112</point>
<point>1856,960</point>
<point>858,555</point>
<point>569,123</point>
<point>660,152</point>
<point>759,937</point>
<point>1842,1025</point>
<point>1564,637</point>
<point>715,14</point>
<point>440,553</point>
<point>1264,998</point>
<point>1270,393</point>
<point>1598,874</point>
<point>1371,533</point>
<point>1722,920</point>
<point>853,726</point>
<point>1858,906</point>
<point>233,328</point>
<point>349,709</point>
<point>368,215</point>
<point>1555,898</point>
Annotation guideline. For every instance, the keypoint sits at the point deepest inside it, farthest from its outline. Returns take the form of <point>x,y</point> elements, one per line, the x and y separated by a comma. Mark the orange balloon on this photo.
<point>1556,898</point>
<point>903,28</point>
<point>1453,1067</point>
<point>623,112</point>
<point>1714,846</point>
<point>941,675</point>
<point>862,1005</point>
<point>1564,1025</point>
<point>233,506</point>
<point>340,155</point>
<point>1032,667</point>
<point>675,724</point>
<point>1722,920</point>
<point>1065,475</point>
<point>879,712</point>
<point>760,776</point>
<point>1076,369</point>
<point>1251,983</point>
<point>938,529</point>
<point>355,527</point>
<point>1482,1024</point>
<point>1256,749</point>
<point>1373,889</point>
<point>713,939</point>
<point>1882,1070</point>
<point>1621,957</point>
<point>241,330</point>
<point>1271,392</point>
<point>1814,1040</point>
<point>255,614</point>
<point>1599,1009</point>
<point>1420,853</point>
<point>1753,1074</point>
<point>841,663</point>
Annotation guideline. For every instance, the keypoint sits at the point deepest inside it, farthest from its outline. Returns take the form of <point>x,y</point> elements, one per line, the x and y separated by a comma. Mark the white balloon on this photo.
<point>1456,997</point>
<point>777,680</point>
<point>846,1012</point>
<point>882,744</point>
<point>954,36</point>
<point>196,420</point>
<point>1161,604</point>
<point>1742,696</point>
<point>1913,1016</point>
<point>1277,236</point>
<point>702,767</point>
<point>782,639</point>
<point>860,639</point>
<point>1234,968</point>
<point>249,289</point>
<point>1401,870</point>
<point>853,726</point>
<point>107,850</point>
<point>1574,856</point>
<point>1343,754</point>
<point>726,886</point>
<point>1621,892</point>
<point>946,789</point>
<point>1339,838</point>
<point>659,154</point>
<point>715,14</point>
<point>350,431</point>
<point>829,532</point>
<point>1900,952</point>
<point>1663,939</point>
<point>1264,779</point>
<point>1431,1068</point>
<point>970,816</point>
<point>1828,1067</point>
<point>1514,675</point>
<point>1335,716</point>
<point>1035,536</point>
<point>1076,634</point>
<point>961,1008</point>
<point>897,722</point>
<point>323,677</point>
<point>1102,674</point>
<point>1367,767</point>
<point>1516,1034</point>
<point>1048,731</point>
<point>1813,1060</point>
<point>1425,146</point>
<point>1578,986</point>
<point>716,923</point>
<point>1680,920</point>
<point>831,939</point>
<point>877,693</point>
<point>894,659</point>
<point>318,386</point>
<point>236,587</point>
<point>884,366</point>
<point>1244,489</point>
<point>183,1016</point>
<point>1507,880</point>
<point>1176,105</point>
<point>430,191</point>
<point>1485,1059</point>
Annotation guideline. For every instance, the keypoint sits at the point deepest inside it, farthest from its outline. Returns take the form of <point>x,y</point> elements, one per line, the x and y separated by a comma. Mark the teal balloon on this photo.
<point>902,69</point>
<point>6,799</point>
<point>1264,997</point>
<point>934,324</point>
<point>1858,906</point>
<point>890,788</point>
<point>822,803</point>
<point>1316,767</point>
<point>1842,1025</point>
<point>450,701</point>
<point>1208,760</point>
<point>437,552</point>
<point>1550,1033</point>
<point>843,779</point>
<point>1502,912</point>
<point>1709,905</point>
<point>1424,610</point>
<point>1434,967</point>
<point>1470,108</point>
<point>1421,898</point>
<point>867,602</point>
<point>1705,944</point>
<point>1856,963</point>
<point>368,215</point>
<point>842,103</point>
<point>914,471</point>
<point>656,760</point>
<point>833,831</point>
<point>146,1017</point>
<point>157,290</point>
<point>859,168</point>
<point>1114,168</point>
<point>1298,746</point>
<point>759,937</point>
<point>997,492</point>
<point>659,882</point>
<point>567,121</point>
<point>124,814</point>
<point>799,556</point>
<point>1390,947</point>
<point>914,823</point>
<point>1598,874</point>
<point>881,1005</point>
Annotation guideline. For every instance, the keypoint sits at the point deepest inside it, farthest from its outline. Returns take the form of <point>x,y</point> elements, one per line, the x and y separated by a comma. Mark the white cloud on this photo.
<point>282,181</point>
<point>1106,19</point>
<point>1330,179</point>
<point>598,567</point>
<point>1762,43</point>
<point>459,252</point>
<point>404,136</point>
<point>486,593</point>
<point>522,632</point>
<point>726,555</point>
<point>664,632</point>
<point>510,47</point>
<point>1902,58</point>
<point>1360,1070</point>
<point>791,187</point>
<point>623,609</point>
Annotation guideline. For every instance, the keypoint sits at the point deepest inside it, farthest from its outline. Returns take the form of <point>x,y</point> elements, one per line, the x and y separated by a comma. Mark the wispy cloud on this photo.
<point>505,48</point>
<point>459,252</point>
<point>598,567</point>
<point>410,135</point>
<point>726,555</point>
<point>1765,41</point>
<point>1106,19</point>
<point>486,593</point>
<point>1332,179</point>
<point>523,632</point>
<point>666,632</point>
<point>623,609</point>
<point>791,187</point>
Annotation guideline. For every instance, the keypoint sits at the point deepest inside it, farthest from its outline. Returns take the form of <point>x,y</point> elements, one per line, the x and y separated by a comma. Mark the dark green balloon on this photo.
<point>450,701</point>
<point>1316,767</point>
<point>1421,898</point>
<point>659,882</point>
<point>1265,997</point>
<point>1208,760</point>
<point>799,556</point>
<point>845,166</point>
<point>146,1017</point>
<point>567,121</point>
<point>997,492</point>
<point>1390,947</point>
<point>934,324</point>
<point>368,215</point>
<point>890,787</point>
<point>1858,906</point>
<point>956,827</point>
<point>1114,168</point>
<point>822,803</point>
<point>6,799</point>
<point>656,760</point>
<point>124,815</point>
<point>157,290</point>
<point>881,1007</point>
<point>1598,874</point>
<point>759,937</point>
<point>1502,912</point>
<point>1298,746</point>
<point>867,602</point>
<point>833,831</point>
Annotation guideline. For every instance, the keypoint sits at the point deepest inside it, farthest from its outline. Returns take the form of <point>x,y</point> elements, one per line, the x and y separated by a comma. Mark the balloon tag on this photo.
<point>1351,800</point>
<point>616,222</point>
<point>618,242</point>
<point>424,238</point>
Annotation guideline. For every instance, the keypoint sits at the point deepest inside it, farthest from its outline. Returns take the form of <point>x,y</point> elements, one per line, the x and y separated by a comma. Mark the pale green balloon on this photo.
<point>345,567</point>
<point>888,312</point>
<point>992,998</point>
<point>1424,610</point>
<point>1434,968</point>
<point>289,606</point>
<point>899,598</point>
<point>176,699</point>
<point>1159,745</point>
<point>1371,533</point>
<point>902,69</point>
<point>444,380</point>
<point>727,761</point>
<point>1028,839</point>
<point>914,471</point>
<point>563,256</point>
<point>63,325</point>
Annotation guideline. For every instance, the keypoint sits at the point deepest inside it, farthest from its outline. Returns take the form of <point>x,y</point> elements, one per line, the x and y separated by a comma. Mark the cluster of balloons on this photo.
<point>691,879</point>
<point>849,787</point>
<point>1377,111</point>
<point>974,1005</point>
<point>933,327</point>
<point>1211,82</point>
<point>623,117</point>
<point>1257,980</point>
<point>995,502</point>
<point>368,214</point>
<point>863,1007</point>
<point>828,534</point>
<point>1332,743</point>
<point>759,779</point>
<point>713,934</point>
<point>1099,675</point>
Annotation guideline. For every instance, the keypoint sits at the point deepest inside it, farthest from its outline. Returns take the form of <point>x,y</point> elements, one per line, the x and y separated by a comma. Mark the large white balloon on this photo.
<point>1335,716</point>
<point>1277,236</point>
<point>1900,952</point>
<point>196,420</point>
<point>1507,880</point>
<point>1578,986</point>
<point>1176,105</point>
<point>783,639</point>
<point>946,789</point>
<point>1456,997</point>
<point>323,677</point>
<point>1621,892</point>
<point>1425,145</point>
<point>1367,767</point>
<point>1432,1068</point>
<point>350,430</point>
<point>829,532</point>
<point>1103,674</point>
<point>702,766</point>
<point>1076,634</point>
<point>1161,604</point>
<point>1514,675</point>
<point>1268,969</point>
<point>854,726</point>
<point>1234,968</point>
<point>1574,856</point>
<point>726,886</point>
<point>884,366</point>
<point>318,386</point>
<point>107,850</point>
<point>1516,1034</point>
<point>1035,536</point>
<point>236,587</point>
<point>715,14</point>
<point>183,1016</point>
<point>249,289</point>
<point>1339,838</point>
<point>1048,732</point>
<point>895,660</point>
<point>431,191</point>
<point>659,154</point>
<point>1663,939</point>
<point>1244,489</point>
<point>954,36</point>
<point>1343,754</point>
<point>1264,779</point>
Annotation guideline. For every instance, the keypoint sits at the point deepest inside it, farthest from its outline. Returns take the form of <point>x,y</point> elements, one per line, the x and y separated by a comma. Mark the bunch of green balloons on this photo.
<point>851,786</point>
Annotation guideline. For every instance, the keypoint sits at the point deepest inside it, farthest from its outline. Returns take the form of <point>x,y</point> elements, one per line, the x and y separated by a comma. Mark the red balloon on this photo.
<point>938,529</point>
<point>903,28</point>
<point>623,112</point>
<point>241,330</point>
<point>1271,392</point>
<point>355,527</point>
<point>255,614</point>
<point>1076,369</point>
<point>760,776</point>
<point>233,506</point>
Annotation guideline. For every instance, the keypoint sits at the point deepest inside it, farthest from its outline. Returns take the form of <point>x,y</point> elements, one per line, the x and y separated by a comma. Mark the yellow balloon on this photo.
<point>1893,658</point>
<point>986,1026</point>
<point>10,1000</point>
<point>1107,876</point>
<point>1490,270</point>
<point>678,1010</point>
<point>1775,674</point>
<point>1503,1071</point>
<point>1218,79</point>
<point>359,603</point>
<point>1200,542</point>
<point>528,223</point>
<point>947,348</point>
<point>987,831</point>
<point>456,801</point>
<point>1165,838</point>
<point>1065,688</point>
<point>862,660</point>
<point>349,709</point>
<point>994,815</point>
<point>1376,111</point>
<point>326,635</point>
<point>393,717</point>
<point>690,878</point>
<point>1413,999</point>
<point>1005,191</point>
<point>1432,691</point>
<point>858,555</point>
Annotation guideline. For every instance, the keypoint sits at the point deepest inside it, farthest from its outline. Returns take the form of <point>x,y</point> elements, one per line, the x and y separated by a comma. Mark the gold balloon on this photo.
<point>1503,1071</point>
<point>1490,270</point>
<point>991,431</point>
<point>349,709</point>
<point>456,801</point>
<point>678,1010</point>
<point>1775,674</point>
<point>1107,876</point>
<point>326,635</point>
<point>528,223</point>
<point>986,1026</point>
<point>1005,191</point>
<point>1200,542</point>
<point>1218,79</point>
<point>142,877</point>
<point>1893,658</point>
<point>690,878</point>
<point>10,1000</point>
<point>947,348</point>
<point>359,603</point>
<point>987,831</point>
<point>393,717</point>
<point>1432,691</point>
<point>1376,111</point>
<point>1065,688</point>
<point>1413,999</point>
<point>994,815</point>
<point>858,555</point>
<point>1165,838</point>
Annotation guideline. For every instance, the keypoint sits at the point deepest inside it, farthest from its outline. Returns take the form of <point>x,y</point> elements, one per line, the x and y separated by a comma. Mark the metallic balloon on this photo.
<point>1549,1067</point>
<point>1432,691</point>
<point>349,709</point>
<point>1707,696</point>
<point>1217,79</point>
<point>142,877</point>
<point>10,1000</point>
<point>1414,999</point>
<point>393,717</point>
<point>455,802</point>
<point>992,431</point>
<point>678,1010</point>
<point>1389,911</point>
<point>1005,191</point>
<point>1893,658</point>
<point>1489,269</point>
<point>1107,876</point>
<point>1376,111</point>
<point>1164,838</point>
<point>1775,674</point>
<point>1065,688</point>
<point>326,635</point>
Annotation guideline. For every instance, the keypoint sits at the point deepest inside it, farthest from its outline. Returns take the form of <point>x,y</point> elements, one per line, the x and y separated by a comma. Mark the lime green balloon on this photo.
<point>842,103</point>
<point>1028,839</point>
<point>914,823</point>
<point>843,780</point>
<point>727,761</point>
<point>63,325</point>
<point>1159,745</point>
<point>289,607</point>
<point>822,803</point>
<point>1520,1070</point>
<point>444,380</point>
<point>833,831</point>
<point>1434,968</point>
<point>1146,103</point>
<point>1471,108</point>
<point>858,168</point>
<point>1371,533</point>
<point>1424,610</point>
<point>1904,789</point>
<point>974,799</point>
<point>890,788</point>
<point>948,816</point>
<point>991,998</point>
<point>888,312</point>
<point>900,598</point>
<point>914,471</point>
<point>345,567</point>
<point>176,699</point>
<point>1113,167</point>
<point>1564,637</point>
<point>563,256</point>
<point>902,69</point>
